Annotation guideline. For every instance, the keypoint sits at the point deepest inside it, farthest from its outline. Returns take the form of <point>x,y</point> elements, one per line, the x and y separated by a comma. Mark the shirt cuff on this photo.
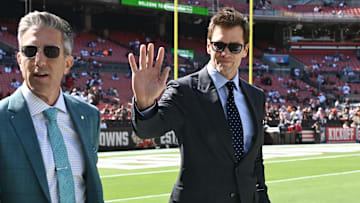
<point>147,112</point>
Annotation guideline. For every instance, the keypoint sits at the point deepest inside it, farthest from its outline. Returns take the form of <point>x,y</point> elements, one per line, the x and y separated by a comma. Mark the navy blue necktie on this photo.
<point>234,122</point>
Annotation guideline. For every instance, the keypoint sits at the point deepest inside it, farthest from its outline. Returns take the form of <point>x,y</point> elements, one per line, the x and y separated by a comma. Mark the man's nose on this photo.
<point>40,58</point>
<point>226,51</point>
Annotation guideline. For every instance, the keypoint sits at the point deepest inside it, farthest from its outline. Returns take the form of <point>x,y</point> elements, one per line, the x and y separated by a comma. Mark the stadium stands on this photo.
<point>9,39</point>
<point>292,91</point>
<point>268,47</point>
<point>6,78</point>
<point>311,58</point>
<point>82,40</point>
<point>286,86</point>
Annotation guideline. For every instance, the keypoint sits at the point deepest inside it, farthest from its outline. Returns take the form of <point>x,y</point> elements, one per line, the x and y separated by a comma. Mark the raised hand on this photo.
<point>147,80</point>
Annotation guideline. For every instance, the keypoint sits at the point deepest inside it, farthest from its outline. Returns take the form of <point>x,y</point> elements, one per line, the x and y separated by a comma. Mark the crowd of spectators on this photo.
<point>263,4</point>
<point>331,61</point>
<point>289,90</point>
<point>115,112</point>
<point>87,57</point>
<point>331,7</point>
<point>115,109</point>
<point>134,46</point>
<point>316,112</point>
<point>93,93</point>
<point>335,4</point>
<point>192,2</point>
<point>15,83</point>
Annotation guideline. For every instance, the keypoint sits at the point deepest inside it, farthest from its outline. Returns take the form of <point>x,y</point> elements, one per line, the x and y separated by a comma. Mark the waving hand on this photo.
<point>147,80</point>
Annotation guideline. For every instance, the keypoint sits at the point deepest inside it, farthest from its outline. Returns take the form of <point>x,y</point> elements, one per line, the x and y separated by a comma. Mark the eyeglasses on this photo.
<point>49,51</point>
<point>234,48</point>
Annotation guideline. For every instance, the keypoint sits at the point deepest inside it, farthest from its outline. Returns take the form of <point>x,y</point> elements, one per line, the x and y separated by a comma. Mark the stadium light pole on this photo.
<point>44,5</point>
<point>27,6</point>
<point>251,41</point>
<point>30,5</point>
<point>175,39</point>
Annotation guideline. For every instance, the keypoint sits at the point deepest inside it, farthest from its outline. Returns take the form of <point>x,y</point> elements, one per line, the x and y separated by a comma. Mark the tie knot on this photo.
<point>230,85</point>
<point>50,114</point>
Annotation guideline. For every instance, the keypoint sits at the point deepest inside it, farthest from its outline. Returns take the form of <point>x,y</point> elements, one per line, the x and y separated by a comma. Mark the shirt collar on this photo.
<point>219,80</point>
<point>37,105</point>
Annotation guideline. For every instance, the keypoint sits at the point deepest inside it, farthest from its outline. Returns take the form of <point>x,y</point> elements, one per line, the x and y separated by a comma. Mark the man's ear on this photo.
<point>208,48</point>
<point>69,62</point>
<point>18,58</point>
<point>245,50</point>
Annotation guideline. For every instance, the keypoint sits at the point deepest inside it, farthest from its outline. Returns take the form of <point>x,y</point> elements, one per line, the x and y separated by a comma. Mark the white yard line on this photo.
<point>141,197</point>
<point>267,182</point>
<point>266,162</point>
<point>311,158</point>
<point>352,147</point>
<point>140,173</point>
<point>311,177</point>
<point>137,152</point>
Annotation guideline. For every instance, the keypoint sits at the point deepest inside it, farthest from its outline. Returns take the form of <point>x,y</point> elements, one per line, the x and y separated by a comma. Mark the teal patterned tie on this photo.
<point>62,165</point>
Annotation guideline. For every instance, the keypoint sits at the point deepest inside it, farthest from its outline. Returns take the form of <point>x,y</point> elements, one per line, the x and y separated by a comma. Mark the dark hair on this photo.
<point>229,17</point>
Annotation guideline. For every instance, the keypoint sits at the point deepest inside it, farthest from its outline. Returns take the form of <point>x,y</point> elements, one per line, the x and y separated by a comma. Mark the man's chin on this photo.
<point>223,68</point>
<point>220,68</point>
<point>38,88</point>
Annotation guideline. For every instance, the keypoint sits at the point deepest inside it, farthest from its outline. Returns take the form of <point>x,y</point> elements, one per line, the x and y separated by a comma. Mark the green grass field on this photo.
<point>296,174</point>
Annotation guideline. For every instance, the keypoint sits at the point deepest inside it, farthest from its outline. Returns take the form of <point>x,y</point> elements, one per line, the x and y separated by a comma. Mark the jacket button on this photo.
<point>232,195</point>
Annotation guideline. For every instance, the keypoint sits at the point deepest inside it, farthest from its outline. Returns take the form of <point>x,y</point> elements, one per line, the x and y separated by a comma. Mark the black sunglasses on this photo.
<point>49,51</point>
<point>234,48</point>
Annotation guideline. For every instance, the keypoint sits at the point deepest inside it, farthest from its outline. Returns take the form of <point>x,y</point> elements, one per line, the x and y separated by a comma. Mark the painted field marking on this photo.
<point>311,177</point>
<point>141,197</point>
<point>267,182</point>
<point>140,162</point>
<point>138,152</point>
<point>140,173</point>
<point>266,162</point>
<point>311,158</point>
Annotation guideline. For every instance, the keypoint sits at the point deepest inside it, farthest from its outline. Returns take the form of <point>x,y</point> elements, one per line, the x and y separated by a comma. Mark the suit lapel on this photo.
<point>217,117</point>
<point>83,129</point>
<point>23,125</point>
<point>81,125</point>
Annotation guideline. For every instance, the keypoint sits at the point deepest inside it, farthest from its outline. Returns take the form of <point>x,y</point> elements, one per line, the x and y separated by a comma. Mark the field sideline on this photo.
<point>328,173</point>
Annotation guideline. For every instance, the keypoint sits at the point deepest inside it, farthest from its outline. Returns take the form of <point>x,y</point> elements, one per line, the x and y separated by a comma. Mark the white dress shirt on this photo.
<point>223,92</point>
<point>71,139</point>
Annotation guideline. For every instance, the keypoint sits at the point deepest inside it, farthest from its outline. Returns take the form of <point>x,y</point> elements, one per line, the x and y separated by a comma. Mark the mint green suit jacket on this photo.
<point>22,172</point>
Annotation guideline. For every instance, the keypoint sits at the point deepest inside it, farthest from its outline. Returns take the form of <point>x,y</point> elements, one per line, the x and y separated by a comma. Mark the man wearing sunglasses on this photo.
<point>217,117</point>
<point>48,140</point>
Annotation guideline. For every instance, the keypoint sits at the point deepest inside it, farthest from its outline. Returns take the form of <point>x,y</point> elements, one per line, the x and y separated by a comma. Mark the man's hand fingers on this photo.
<point>159,59</point>
<point>132,63</point>
<point>142,59</point>
<point>165,75</point>
<point>150,55</point>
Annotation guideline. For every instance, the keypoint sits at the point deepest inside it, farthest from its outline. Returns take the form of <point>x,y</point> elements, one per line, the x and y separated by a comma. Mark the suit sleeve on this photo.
<point>166,115</point>
<point>261,186</point>
<point>259,168</point>
<point>96,135</point>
